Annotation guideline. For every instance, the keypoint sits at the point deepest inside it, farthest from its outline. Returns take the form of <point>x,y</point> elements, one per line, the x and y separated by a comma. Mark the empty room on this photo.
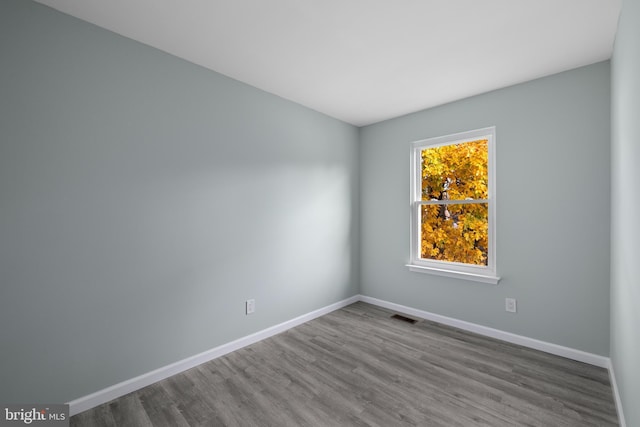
<point>319,213</point>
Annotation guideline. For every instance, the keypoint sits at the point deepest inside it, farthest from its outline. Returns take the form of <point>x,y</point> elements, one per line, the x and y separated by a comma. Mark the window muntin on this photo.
<point>452,204</point>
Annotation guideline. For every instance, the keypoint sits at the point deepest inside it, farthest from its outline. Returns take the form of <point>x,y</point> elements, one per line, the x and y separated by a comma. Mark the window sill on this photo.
<point>474,277</point>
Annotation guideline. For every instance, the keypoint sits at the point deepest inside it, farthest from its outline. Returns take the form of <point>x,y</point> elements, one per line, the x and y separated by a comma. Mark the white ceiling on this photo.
<point>363,61</point>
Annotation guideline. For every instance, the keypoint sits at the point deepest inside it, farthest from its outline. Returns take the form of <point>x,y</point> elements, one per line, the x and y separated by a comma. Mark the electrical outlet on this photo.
<point>510,305</point>
<point>250,306</point>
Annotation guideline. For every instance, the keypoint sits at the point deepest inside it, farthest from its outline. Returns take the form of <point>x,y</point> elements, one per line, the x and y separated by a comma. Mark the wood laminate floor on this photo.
<point>358,367</point>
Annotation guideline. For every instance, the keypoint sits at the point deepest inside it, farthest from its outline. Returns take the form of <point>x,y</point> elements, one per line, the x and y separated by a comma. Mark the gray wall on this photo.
<point>143,199</point>
<point>552,210</point>
<point>625,210</point>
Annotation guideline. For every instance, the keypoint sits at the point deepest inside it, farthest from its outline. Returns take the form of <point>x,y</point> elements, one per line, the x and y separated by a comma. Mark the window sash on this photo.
<point>417,260</point>
<point>451,202</point>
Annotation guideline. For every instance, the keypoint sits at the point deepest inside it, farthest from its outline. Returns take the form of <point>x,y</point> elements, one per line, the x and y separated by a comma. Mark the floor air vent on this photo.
<point>404,319</point>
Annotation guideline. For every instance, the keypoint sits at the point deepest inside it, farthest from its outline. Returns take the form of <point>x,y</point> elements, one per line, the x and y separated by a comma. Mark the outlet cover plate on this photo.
<point>250,306</point>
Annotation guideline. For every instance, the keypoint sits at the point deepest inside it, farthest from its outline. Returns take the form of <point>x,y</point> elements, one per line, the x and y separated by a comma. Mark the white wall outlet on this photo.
<point>510,305</point>
<point>250,306</point>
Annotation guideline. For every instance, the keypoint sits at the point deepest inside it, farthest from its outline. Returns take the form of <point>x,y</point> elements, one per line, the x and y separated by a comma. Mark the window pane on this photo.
<point>455,172</point>
<point>456,233</point>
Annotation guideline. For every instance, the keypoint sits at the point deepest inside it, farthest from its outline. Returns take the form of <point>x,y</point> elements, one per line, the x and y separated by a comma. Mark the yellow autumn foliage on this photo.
<point>455,232</point>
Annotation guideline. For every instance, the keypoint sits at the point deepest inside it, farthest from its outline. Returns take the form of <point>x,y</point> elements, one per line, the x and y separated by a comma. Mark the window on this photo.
<point>453,206</point>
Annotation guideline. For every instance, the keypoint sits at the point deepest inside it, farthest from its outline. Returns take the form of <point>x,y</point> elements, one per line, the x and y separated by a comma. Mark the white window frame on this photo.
<point>477,273</point>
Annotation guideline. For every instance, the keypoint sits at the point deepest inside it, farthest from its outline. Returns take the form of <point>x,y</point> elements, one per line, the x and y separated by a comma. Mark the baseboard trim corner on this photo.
<point>120,389</point>
<point>616,395</point>
<point>558,350</point>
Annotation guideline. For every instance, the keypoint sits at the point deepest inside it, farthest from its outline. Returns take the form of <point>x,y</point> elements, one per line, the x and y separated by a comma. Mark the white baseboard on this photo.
<point>570,353</point>
<point>616,395</point>
<point>105,395</point>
